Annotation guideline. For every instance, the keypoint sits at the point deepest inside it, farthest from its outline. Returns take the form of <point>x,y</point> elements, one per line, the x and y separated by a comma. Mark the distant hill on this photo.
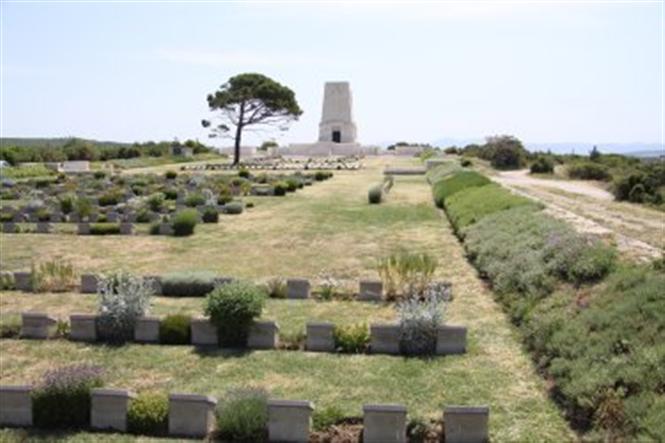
<point>636,149</point>
<point>36,142</point>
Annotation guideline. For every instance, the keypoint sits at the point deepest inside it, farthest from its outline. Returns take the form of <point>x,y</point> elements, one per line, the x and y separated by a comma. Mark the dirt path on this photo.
<point>638,231</point>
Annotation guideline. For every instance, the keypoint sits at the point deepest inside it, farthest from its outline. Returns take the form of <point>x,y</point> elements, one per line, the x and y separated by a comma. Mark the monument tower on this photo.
<point>337,124</point>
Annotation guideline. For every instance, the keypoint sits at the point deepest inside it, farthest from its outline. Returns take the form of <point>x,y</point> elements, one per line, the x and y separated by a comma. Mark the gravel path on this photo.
<point>638,231</point>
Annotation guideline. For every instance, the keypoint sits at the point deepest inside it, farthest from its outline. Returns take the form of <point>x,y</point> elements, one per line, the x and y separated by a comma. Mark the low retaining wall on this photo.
<point>193,415</point>
<point>263,334</point>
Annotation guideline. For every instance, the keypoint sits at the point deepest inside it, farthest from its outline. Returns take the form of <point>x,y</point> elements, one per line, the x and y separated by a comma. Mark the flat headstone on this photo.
<point>37,325</point>
<point>9,227</point>
<point>289,420</point>
<point>109,407</point>
<point>126,228</point>
<point>203,332</point>
<point>44,228</point>
<point>370,290</point>
<point>320,337</point>
<point>466,424</point>
<point>15,406</point>
<point>83,229</point>
<point>384,424</point>
<point>146,330</point>
<point>297,288</point>
<point>165,229</point>
<point>89,283</point>
<point>385,339</point>
<point>191,415</point>
<point>450,340</point>
<point>23,281</point>
<point>263,335</point>
<point>83,327</point>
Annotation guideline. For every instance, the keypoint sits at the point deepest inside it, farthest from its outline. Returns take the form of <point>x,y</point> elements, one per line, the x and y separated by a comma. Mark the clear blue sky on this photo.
<point>588,72</point>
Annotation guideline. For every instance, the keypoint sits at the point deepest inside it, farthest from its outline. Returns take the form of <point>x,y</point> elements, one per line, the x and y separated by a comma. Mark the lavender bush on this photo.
<point>419,320</point>
<point>123,298</point>
<point>62,399</point>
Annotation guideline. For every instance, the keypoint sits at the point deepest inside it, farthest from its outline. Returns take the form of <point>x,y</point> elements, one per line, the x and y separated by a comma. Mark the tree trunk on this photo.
<point>236,151</point>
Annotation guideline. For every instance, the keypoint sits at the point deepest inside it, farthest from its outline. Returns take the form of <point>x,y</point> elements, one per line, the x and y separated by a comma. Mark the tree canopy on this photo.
<point>250,100</point>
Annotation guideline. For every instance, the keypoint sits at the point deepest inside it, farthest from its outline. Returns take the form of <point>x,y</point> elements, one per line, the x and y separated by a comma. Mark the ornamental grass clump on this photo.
<point>233,307</point>
<point>123,298</point>
<point>62,399</point>
<point>419,321</point>
<point>405,274</point>
<point>242,415</point>
<point>54,276</point>
<point>352,339</point>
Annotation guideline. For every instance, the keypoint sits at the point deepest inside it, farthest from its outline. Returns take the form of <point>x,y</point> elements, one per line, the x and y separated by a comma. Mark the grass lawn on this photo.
<point>330,227</point>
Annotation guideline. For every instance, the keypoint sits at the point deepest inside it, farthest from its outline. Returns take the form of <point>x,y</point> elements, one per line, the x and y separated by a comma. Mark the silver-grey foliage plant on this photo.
<point>419,320</point>
<point>123,298</point>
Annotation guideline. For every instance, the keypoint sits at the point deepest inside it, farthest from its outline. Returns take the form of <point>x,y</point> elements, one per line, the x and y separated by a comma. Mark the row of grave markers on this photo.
<point>296,288</point>
<point>263,334</point>
<point>192,415</point>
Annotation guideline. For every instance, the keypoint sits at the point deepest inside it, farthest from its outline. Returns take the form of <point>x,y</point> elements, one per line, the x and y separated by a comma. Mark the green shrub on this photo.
<point>324,418</point>
<point>174,329</point>
<point>43,214</point>
<point>244,173</point>
<point>123,298</point>
<point>375,194</point>
<point>322,175</point>
<point>578,259</point>
<point>224,199</point>
<point>232,308</point>
<point>110,198</point>
<point>465,162</point>
<point>104,228</point>
<point>148,414</point>
<point>542,165</point>
<point>170,175</point>
<point>67,202</point>
<point>456,182</point>
<point>210,215</point>
<point>10,326</point>
<point>195,199</point>
<point>292,184</point>
<point>184,222</point>
<point>62,399</point>
<point>352,339</point>
<point>188,284</point>
<point>605,357</point>
<point>170,194</point>
<point>143,216</point>
<point>99,175</point>
<point>6,281</point>
<point>280,188</point>
<point>242,415</point>
<point>234,208</point>
<point>471,205</point>
<point>156,201</point>
<point>154,229</point>
<point>589,171</point>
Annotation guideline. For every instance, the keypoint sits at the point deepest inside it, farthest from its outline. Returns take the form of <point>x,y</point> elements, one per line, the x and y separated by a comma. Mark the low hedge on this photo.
<point>104,229</point>
<point>454,183</point>
<point>175,329</point>
<point>184,222</point>
<point>148,414</point>
<point>188,284</point>
<point>375,194</point>
<point>471,205</point>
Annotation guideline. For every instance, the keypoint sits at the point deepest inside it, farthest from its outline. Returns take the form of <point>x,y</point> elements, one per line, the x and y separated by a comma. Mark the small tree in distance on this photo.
<point>250,100</point>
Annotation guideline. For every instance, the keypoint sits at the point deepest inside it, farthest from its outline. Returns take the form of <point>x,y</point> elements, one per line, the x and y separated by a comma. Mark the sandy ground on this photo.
<point>638,231</point>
